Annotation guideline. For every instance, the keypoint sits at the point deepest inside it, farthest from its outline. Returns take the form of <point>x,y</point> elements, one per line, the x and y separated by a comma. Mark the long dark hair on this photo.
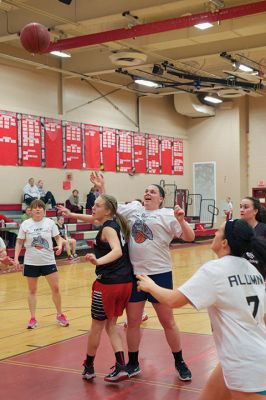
<point>111,204</point>
<point>261,214</point>
<point>243,243</point>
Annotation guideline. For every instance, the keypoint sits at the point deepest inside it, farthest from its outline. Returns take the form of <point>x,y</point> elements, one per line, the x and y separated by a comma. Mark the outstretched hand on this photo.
<point>65,211</point>
<point>97,180</point>
<point>144,283</point>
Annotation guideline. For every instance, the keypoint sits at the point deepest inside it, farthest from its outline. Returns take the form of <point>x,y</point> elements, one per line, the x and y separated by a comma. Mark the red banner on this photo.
<point>8,138</point>
<point>73,145</point>
<point>92,146</point>
<point>178,157</point>
<point>139,147</point>
<point>109,149</point>
<point>124,156</point>
<point>167,155</point>
<point>31,140</point>
<point>153,154</point>
<point>53,143</point>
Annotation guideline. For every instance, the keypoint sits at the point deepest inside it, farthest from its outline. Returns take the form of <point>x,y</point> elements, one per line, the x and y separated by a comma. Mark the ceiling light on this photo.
<point>203,25</point>
<point>245,68</point>
<point>60,54</point>
<point>213,100</point>
<point>146,83</point>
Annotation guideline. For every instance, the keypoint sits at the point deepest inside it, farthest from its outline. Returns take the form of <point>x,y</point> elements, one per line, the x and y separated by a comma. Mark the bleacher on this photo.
<point>84,233</point>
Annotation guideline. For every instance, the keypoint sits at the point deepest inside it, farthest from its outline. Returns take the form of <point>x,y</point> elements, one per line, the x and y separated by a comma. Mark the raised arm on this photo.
<point>187,232</point>
<point>98,181</point>
<point>82,217</point>
<point>168,297</point>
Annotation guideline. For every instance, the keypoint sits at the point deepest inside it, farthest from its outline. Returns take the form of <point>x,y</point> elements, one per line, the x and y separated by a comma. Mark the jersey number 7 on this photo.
<point>255,300</point>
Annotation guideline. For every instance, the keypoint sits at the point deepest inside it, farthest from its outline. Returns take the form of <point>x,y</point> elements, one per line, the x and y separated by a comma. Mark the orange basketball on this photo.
<point>35,38</point>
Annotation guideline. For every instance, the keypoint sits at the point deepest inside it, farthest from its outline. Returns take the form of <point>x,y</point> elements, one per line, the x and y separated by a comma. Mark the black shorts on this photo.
<point>164,280</point>
<point>34,271</point>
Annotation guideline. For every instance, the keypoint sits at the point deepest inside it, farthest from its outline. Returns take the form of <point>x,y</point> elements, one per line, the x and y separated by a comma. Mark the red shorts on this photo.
<point>109,301</point>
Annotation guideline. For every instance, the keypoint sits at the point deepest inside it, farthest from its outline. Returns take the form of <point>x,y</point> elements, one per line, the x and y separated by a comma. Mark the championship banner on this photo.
<point>108,147</point>
<point>153,154</point>
<point>8,138</point>
<point>178,157</point>
<point>139,152</point>
<point>167,155</point>
<point>124,151</point>
<point>92,146</point>
<point>31,140</point>
<point>73,146</point>
<point>53,139</point>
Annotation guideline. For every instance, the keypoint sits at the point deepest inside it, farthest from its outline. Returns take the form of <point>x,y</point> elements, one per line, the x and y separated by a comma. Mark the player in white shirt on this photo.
<point>152,229</point>
<point>233,291</point>
<point>36,235</point>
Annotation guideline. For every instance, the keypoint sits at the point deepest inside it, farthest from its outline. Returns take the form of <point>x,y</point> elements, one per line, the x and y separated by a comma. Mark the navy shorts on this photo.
<point>164,280</point>
<point>34,271</point>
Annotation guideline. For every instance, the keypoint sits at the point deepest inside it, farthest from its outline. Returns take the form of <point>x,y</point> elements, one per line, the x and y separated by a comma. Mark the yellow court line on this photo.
<point>76,371</point>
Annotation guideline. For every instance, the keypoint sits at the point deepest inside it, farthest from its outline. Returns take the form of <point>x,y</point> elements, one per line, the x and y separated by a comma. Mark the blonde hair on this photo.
<point>111,204</point>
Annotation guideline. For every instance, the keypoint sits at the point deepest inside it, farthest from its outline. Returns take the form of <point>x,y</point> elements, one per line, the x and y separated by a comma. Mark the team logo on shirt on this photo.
<point>140,231</point>
<point>40,243</point>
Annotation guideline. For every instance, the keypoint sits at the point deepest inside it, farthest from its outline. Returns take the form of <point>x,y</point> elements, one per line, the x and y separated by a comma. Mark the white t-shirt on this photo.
<point>2,244</point>
<point>38,241</point>
<point>234,292</point>
<point>151,232</point>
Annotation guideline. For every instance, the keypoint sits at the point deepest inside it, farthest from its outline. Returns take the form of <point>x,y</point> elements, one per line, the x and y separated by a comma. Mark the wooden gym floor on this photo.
<point>46,363</point>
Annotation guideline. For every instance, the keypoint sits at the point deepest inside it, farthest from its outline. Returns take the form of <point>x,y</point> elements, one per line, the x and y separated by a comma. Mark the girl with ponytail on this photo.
<point>233,291</point>
<point>113,285</point>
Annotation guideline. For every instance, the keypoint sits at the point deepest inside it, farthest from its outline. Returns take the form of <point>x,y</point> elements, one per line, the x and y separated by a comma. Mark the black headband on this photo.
<point>161,190</point>
<point>238,235</point>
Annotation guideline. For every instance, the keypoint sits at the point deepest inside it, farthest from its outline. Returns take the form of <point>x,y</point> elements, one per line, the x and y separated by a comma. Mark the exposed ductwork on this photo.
<point>189,105</point>
<point>159,26</point>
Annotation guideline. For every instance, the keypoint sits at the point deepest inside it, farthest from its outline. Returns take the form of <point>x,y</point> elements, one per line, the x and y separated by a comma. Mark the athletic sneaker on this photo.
<point>61,319</point>
<point>88,372</point>
<point>133,370</point>
<point>70,258</point>
<point>32,323</point>
<point>75,255</point>
<point>184,373</point>
<point>119,374</point>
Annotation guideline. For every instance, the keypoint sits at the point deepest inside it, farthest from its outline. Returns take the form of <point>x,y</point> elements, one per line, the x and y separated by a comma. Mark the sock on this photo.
<point>133,357</point>
<point>178,356</point>
<point>120,358</point>
<point>89,360</point>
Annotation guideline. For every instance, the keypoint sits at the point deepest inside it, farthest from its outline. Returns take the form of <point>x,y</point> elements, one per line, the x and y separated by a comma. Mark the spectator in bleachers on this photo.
<point>68,243</point>
<point>73,204</point>
<point>46,197</point>
<point>11,237</point>
<point>91,199</point>
<point>30,192</point>
<point>26,215</point>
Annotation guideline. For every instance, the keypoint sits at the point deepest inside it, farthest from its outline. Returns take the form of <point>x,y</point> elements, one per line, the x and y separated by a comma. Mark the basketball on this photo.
<point>35,38</point>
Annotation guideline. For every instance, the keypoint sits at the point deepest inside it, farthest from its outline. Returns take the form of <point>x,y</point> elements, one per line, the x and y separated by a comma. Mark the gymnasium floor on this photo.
<point>46,363</point>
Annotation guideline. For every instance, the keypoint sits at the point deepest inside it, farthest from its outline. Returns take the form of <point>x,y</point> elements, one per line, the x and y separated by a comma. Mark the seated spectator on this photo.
<point>46,197</point>
<point>69,244</point>
<point>26,215</point>
<point>72,203</point>
<point>30,192</point>
<point>91,199</point>
<point>11,237</point>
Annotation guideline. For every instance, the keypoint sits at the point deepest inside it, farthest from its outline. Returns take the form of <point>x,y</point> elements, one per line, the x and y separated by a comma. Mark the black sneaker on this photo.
<point>119,374</point>
<point>133,370</point>
<point>88,372</point>
<point>184,373</point>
